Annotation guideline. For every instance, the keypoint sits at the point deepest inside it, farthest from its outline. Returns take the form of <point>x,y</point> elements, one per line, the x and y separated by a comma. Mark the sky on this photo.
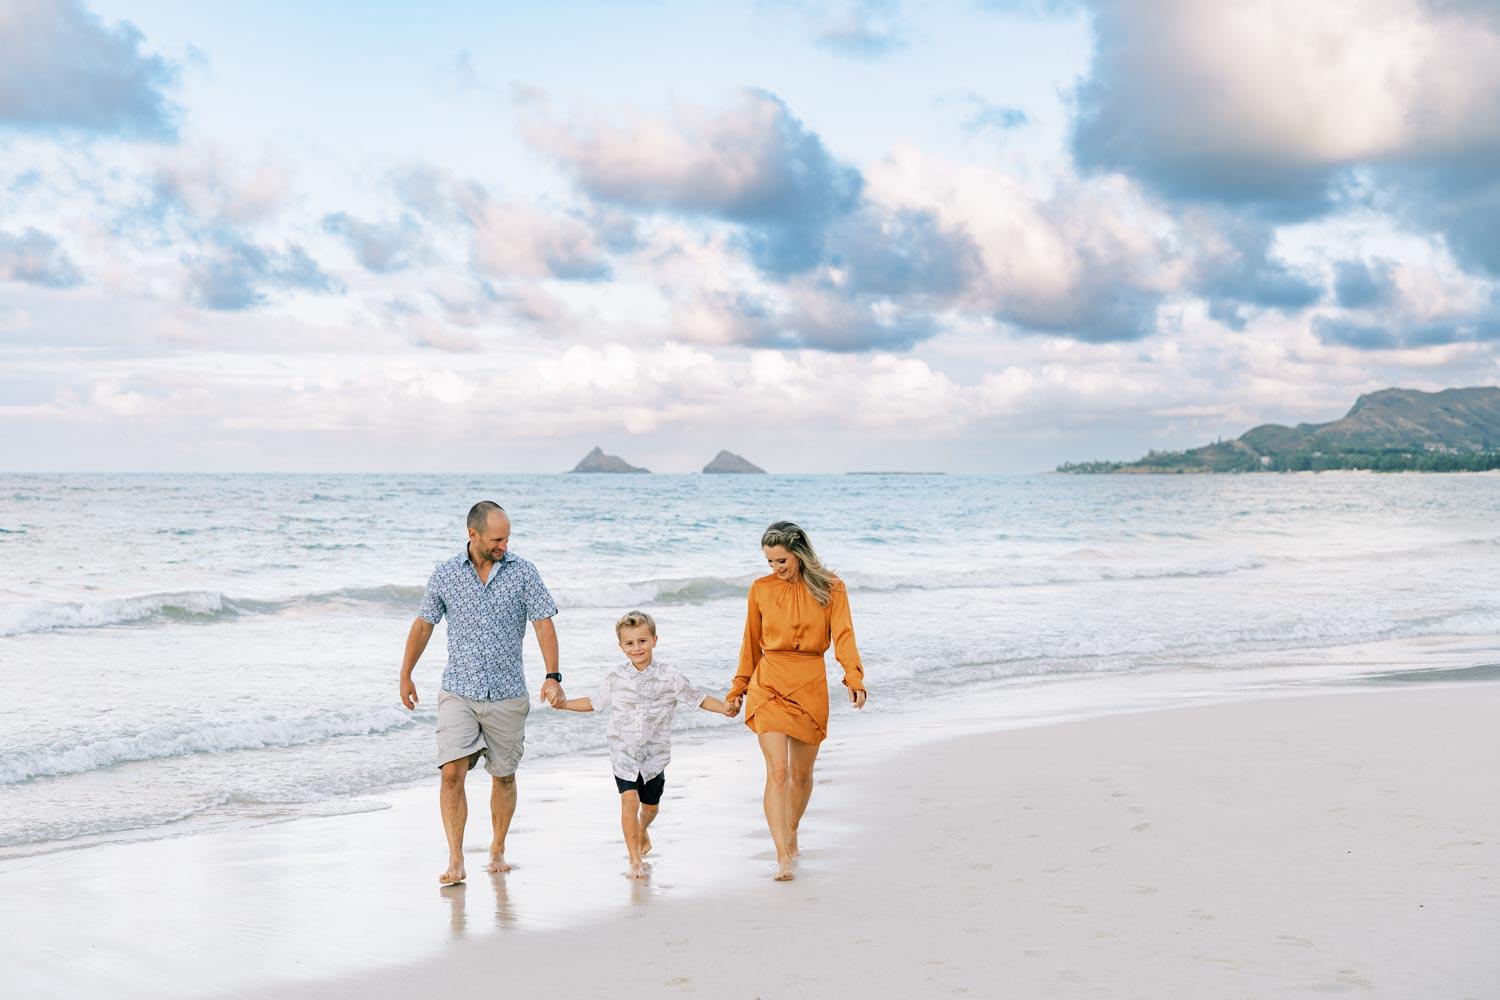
<point>976,237</point>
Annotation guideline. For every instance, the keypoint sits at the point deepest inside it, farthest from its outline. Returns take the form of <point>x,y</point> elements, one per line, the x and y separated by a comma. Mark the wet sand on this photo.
<point>1301,845</point>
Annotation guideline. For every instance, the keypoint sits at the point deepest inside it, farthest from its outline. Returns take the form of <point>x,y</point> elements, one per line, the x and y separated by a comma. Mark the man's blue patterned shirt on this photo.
<point>486,623</point>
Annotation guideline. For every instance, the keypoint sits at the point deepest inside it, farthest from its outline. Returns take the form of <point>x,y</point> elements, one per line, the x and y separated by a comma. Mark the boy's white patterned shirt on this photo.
<point>640,704</point>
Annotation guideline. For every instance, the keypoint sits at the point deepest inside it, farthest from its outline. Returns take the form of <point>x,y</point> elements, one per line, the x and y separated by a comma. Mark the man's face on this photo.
<point>637,642</point>
<point>492,541</point>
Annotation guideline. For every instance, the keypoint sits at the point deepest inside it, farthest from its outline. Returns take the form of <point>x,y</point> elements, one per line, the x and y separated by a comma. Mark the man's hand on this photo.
<point>552,694</point>
<point>409,694</point>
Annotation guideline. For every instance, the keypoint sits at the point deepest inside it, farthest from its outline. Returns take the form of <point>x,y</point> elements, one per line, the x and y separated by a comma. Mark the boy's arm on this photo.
<point>712,704</point>
<point>576,705</point>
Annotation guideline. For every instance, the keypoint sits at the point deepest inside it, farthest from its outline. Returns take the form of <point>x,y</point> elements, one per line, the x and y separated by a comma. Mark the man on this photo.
<point>488,594</point>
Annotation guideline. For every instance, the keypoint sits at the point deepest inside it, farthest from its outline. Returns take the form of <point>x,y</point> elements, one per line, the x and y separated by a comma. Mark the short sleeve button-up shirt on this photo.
<point>486,623</point>
<point>640,705</point>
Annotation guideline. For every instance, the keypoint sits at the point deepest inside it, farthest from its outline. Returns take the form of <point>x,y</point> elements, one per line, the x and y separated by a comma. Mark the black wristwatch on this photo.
<point>555,676</point>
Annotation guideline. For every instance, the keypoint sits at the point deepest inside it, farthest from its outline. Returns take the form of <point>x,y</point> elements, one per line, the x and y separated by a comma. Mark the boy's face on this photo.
<point>637,642</point>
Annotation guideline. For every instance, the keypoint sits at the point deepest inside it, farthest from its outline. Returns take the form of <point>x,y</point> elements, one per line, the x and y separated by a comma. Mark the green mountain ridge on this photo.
<point>1393,430</point>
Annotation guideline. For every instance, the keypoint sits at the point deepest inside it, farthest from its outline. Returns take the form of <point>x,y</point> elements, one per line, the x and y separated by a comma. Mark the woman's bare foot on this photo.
<point>792,850</point>
<point>784,871</point>
<point>497,864</point>
<point>645,844</point>
<point>455,873</point>
<point>637,870</point>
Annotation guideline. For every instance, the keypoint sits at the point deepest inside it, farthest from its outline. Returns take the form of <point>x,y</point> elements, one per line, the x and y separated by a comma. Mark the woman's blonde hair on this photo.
<point>634,619</point>
<point>819,578</point>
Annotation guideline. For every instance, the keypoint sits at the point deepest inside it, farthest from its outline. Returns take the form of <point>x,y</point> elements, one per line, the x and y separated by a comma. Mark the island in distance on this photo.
<point>729,462</point>
<point>1393,430</point>
<point>597,461</point>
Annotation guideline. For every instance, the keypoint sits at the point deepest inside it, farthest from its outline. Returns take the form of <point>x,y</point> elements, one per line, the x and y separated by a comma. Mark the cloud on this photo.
<point>382,248</point>
<point>62,67</point>
<point>514,240</point>
<point>983,116</point>
<point>1272,103</point>
<point>1085,260</point>
<point>235,275</point>
<point>1233,267</point>
<point>36,258</point>
<point>865,29</point>
<point>755,165</point>
<point>1391,304</point>
<point>1360,284</point>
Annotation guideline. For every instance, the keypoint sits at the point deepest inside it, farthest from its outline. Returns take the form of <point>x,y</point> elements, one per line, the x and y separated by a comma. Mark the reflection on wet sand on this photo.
<point>455,897</point>
<point>505,911</point>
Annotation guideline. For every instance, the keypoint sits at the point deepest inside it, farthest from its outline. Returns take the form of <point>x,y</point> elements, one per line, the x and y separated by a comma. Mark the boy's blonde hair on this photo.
<point>634,619</point>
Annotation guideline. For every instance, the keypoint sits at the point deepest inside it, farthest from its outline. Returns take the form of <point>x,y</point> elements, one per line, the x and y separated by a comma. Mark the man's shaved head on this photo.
<point>479,514</point>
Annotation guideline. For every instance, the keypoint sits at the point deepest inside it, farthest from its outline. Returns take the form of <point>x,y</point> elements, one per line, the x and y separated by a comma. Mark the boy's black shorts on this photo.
<point>649,791</point>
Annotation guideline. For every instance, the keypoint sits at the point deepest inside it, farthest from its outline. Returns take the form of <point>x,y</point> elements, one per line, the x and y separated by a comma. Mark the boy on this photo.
<point>641,697</point>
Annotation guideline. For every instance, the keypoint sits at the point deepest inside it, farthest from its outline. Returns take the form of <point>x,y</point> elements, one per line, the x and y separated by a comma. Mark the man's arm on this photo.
<point>546,640</point>
<point>416,642</point>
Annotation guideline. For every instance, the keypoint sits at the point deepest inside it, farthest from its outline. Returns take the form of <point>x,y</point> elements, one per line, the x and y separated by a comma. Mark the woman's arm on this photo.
<point>841,627</point>
<point>749,652</point>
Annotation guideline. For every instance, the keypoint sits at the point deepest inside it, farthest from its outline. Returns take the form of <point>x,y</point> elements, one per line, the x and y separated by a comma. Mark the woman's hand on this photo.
<point>857,697</point>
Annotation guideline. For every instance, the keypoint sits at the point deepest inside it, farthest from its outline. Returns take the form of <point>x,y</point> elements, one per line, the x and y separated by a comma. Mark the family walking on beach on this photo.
<point>488,594</point>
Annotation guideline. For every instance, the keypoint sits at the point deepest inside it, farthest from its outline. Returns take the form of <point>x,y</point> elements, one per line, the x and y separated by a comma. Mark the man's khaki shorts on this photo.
<point>468,728</point>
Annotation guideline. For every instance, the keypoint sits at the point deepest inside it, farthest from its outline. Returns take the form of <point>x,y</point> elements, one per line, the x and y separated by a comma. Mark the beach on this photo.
<point>1303,842</point>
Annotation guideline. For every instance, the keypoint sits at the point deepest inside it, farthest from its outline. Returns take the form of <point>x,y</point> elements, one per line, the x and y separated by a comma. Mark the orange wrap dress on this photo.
<point>781,672</point>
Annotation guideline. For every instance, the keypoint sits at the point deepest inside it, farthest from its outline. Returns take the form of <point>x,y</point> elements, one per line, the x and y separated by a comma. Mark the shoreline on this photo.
<point>914,814</point>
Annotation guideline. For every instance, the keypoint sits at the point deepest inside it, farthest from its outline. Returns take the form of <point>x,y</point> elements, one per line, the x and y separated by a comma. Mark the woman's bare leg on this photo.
<point>778,797</point>
<point>801,757</point>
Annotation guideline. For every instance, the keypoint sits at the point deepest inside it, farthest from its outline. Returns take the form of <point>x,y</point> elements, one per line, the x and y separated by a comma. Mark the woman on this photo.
<point>795,614</point>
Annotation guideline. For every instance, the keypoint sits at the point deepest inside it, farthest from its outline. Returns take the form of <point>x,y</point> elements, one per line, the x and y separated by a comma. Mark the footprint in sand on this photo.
<point>1295,941</point>
<point>1200,915</point>
<point>981,868</point>
<point>1145,890</point>
<point>1141,827</point>
<point>1102,849</point>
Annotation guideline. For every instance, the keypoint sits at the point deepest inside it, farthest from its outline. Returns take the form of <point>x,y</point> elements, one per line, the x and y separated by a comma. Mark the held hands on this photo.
<point>732,706</point>
<point>552,694</point>
<point>409,694</point>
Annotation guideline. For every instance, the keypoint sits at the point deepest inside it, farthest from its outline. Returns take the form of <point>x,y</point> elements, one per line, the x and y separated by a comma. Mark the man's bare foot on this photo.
<point>497,864</point>
<point>455,873</point>
<point>645,844</point>
<point>637,870</point>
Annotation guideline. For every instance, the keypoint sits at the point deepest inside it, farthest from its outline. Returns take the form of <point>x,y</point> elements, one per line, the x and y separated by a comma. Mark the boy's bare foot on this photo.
<point>455,873</point>
<point>645,844</point>
<point>497,864</point>
<point>637,870</point>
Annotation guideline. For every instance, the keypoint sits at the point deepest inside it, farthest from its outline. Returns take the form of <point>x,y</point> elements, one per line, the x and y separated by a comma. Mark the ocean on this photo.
<point>184,652</point>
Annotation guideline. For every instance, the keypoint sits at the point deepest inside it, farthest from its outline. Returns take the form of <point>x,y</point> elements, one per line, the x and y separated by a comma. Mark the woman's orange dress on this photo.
<point>781,672</point>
